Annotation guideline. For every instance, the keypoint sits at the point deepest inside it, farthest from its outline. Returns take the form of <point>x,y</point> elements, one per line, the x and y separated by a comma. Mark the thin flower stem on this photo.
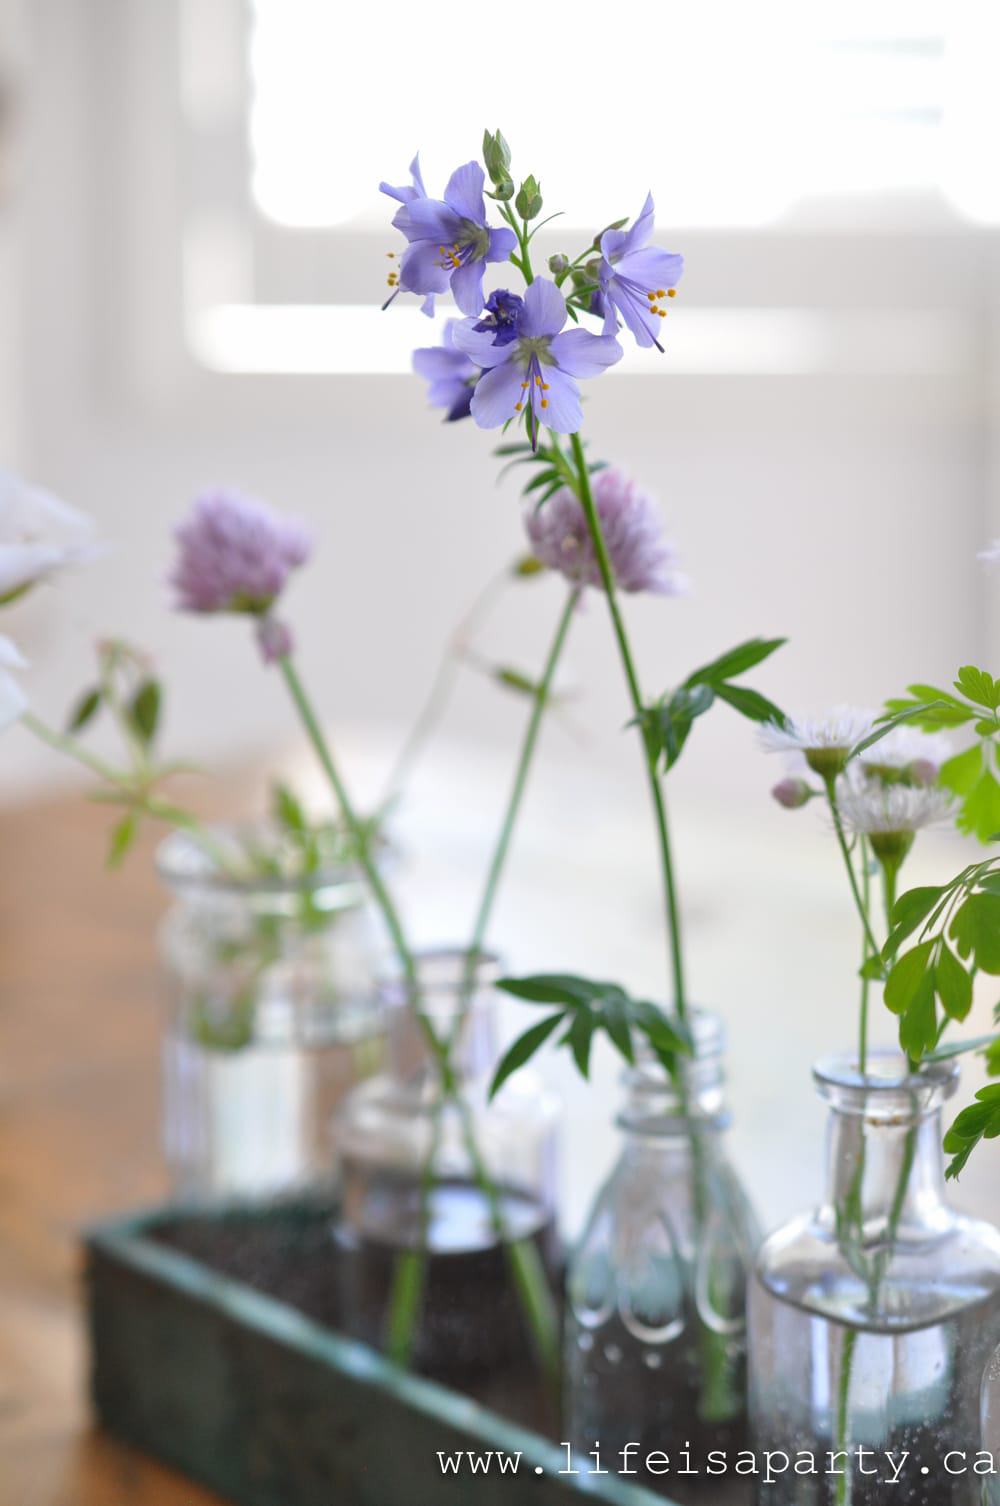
<point>865,954</point>
<point>838,826</point>
<point>655,788</point>
<point>407,1292</point>
<point>541,701</point>
<point>65,743</point>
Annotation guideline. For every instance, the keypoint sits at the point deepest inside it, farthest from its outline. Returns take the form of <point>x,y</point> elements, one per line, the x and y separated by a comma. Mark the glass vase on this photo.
<point>655,1349</point>
<point>990,1440</point>
<point>272,1016</point>
<point>871,1319</point>
<point>415,1199</point>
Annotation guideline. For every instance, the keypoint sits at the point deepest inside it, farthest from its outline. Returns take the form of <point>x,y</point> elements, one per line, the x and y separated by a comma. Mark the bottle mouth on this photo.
<point>446,976</point>
<point>657,1104</point>
<point>888,1089</point>
<point>257,858</point>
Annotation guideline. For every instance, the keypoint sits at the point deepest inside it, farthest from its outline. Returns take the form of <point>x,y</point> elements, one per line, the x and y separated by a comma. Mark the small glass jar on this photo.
<point>272,1016</point>
<point>872,1318</point>
<point>411,1161</point>
<point>655,1327</point>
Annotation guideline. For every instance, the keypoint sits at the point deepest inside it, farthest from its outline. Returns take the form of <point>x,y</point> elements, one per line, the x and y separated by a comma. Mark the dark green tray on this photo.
<point>270,1408</point>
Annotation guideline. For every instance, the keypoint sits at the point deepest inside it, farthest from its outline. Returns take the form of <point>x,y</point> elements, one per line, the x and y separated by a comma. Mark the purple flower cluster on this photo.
<point>235,555</point>
<point>511,358</point>
<point>642,559</point>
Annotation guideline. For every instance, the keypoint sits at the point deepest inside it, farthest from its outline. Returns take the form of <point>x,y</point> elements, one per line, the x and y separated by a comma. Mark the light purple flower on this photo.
<point>450,373</point>
<point>235,555</point>
<point>642,559</point>
<point>636,279</point>
<point>405,194</point>
<point>536,372</point>
<point>450,241</point>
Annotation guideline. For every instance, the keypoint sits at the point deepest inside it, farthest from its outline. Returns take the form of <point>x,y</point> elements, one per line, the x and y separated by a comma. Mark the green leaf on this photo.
<point>948,1052</point>
<point>527,567</point>
<point>523,1049</point>
<point>144,710</point>
<point>918,1031</point>
<point>980,812</point>
<point>287,810</point>
<point>579,1037</point>
<point>751,703</point>
<point>907,913</point>
<point>514,679</point>
<point>981,1120</point>
<point>122,837</point>
<point>614,1014</point>
<point>554,988</point>
<point>953,984</point>
<point>959,774</point>
<point>978,686</point>
<point>873,970</point>
<point>907,978</point>
<point>667,723</point>
<point>912,712</point>
<point>736,662</point>
<point>975,928</point>
<point>931,708</point>
<point>84,711</point>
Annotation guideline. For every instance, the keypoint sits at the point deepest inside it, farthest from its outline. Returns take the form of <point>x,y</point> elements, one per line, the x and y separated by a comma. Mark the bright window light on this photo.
<point>733,113</point>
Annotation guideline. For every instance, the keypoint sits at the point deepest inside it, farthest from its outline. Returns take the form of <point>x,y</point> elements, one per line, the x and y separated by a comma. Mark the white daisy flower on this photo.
<point>889,815</point>
<point>824,741</point>
<point>39,535</point>
<point>907,750</point>
<point>12,698</point>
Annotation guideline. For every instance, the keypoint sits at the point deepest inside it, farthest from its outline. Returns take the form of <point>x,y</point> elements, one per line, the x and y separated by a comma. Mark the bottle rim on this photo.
<point>185,867</point>
<point>889,1087</point>
<point>444,973</point>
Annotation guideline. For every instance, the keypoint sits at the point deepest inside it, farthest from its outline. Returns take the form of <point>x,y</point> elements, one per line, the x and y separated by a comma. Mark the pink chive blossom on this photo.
<point>642,559</point>
<point>235,555</point>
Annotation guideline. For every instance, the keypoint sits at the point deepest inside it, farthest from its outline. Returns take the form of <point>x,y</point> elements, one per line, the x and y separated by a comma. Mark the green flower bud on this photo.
<point>504,190</point>
<point>827,762</point>
<point>558,263</point>
<point>529,200</point>
<point>496,156</point>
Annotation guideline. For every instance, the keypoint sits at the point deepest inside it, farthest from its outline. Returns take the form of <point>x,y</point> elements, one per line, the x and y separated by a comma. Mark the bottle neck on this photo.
<point>663,1105</point>
<point>885,1163</point>
<point>454,1000</point>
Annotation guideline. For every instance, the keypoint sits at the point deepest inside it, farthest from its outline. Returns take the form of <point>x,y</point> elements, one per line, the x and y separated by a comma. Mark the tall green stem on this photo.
<point>675,959</point>
<point>865,954</point>
<point>541,699</point>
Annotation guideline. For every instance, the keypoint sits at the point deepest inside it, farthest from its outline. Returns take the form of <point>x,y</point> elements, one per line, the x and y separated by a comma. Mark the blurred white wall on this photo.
<point>837,492</point>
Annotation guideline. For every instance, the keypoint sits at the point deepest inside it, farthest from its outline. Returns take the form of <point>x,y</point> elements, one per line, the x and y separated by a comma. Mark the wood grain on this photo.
<point>79,1137</point>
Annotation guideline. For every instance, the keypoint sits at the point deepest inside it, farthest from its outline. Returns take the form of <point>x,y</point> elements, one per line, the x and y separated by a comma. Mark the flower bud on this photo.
<point>504,190</point>
<point>923,772</point>
<point>529,199</point>
<point>558,263</point>
<point>496,155</point>
<point>792,793</point>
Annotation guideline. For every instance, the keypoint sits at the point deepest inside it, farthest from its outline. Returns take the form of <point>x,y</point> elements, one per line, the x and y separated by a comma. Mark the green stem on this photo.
<point>64,743</point>
<point>408,1287</point>
<point>843,1492</point>
<point>502,848</point>
<point>865,954</point>
<point>635,694</point>
<point>871,944</point>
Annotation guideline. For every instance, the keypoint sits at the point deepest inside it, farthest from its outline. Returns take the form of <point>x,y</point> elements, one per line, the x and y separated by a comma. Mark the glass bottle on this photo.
<point>410,1157</point>
<point>655,1326</point>
<point>870,1319</point>
<point>990,1416</point>
<point>272,1016</point>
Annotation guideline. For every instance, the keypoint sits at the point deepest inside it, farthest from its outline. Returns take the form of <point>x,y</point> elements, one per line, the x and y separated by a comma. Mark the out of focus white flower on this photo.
<point>12,698</point>
<point>991,556</point>
<point>39,535</point>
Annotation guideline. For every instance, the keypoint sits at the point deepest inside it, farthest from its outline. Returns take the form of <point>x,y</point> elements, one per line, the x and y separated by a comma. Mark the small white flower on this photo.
<point>904,746</point>
<point>39,535</point>
<point>875,809</point>
<point>839,729</point>
<point>12,698</point>
<point>991,556</point>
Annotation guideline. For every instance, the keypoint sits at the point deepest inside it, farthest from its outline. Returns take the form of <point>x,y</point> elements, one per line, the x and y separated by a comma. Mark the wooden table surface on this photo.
<point>79,1106</point>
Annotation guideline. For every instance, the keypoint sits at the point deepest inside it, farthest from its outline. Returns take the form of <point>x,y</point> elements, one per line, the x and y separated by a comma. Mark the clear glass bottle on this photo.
<point>409,1154</point>
<point>871,1319</point>
<point>990,1417</point>
<point>655,1327</point>
<point>272,1016</point>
